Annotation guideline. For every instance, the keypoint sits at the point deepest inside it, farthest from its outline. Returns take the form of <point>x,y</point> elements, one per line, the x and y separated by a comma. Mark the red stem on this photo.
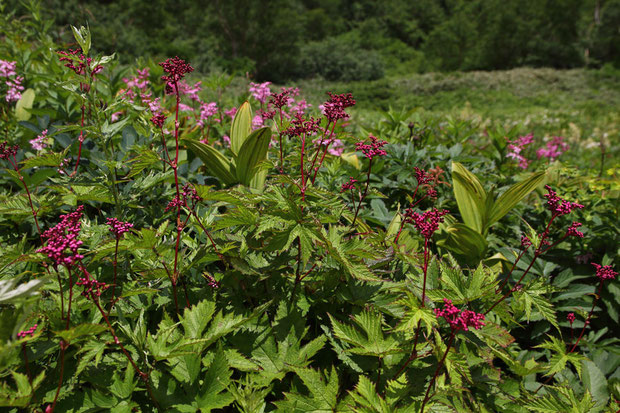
<point>81,140</point>
<point>357,210</point>
<point>437,372</point>
<point>114,266</point>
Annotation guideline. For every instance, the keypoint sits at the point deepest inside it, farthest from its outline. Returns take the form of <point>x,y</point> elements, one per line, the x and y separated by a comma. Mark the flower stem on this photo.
<point>426,397</point>
<point>357,210</point>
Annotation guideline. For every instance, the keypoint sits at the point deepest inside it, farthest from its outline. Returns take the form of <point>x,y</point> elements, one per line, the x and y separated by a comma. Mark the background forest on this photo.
<point>281,40</point>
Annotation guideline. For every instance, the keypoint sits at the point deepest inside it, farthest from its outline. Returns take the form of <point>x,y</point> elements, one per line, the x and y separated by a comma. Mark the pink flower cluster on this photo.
<point>516,147</point>
<point>573,231</point>
<point>557,205</point>
<point>373,149</point>
<point>348,185</point>
<point>27,333</point>
<point>459,320</point>
<point>260,91</point>
<point>91,287</point>
<point>571,318</point>
<point>13,82</point>
<point>605,272</point>
<point>176,69</point>
<point>206,111</point>
<point>553,149</point>
<point>117,227</point>
<point>334,108</point>
<point>62,239</point>
<point>427,222</point>
<point>39,143</point>
<point>77,62</point>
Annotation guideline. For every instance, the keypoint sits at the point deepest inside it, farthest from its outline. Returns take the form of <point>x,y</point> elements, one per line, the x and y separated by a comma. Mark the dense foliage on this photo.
<point>173,245</point>
<point>361,39</point>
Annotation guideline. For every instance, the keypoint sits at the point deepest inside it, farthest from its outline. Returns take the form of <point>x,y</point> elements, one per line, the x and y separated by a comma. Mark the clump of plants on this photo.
<point>162,253</point>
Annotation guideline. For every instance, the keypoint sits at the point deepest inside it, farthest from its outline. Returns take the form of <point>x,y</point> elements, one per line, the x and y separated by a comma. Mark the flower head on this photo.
<point>350,184</point>
<point>27,333</point>
<point>373,149</point>
<point>573,231</point>
<point>301,126</point>
<point>553,149</point>
<point>571,318</point>
<point>38,143</point>
<point>7,151</point>
<point>91,286</point>
<point>176,69</point>
<point>260,91</point>
<point>62,240</point>
<point>117,227</point>
<point>158,120</point>
<point>334,108</point>
<point>605,272</point>
<point>459,320</point>
<point>427,223</point>
<point>557,205</point>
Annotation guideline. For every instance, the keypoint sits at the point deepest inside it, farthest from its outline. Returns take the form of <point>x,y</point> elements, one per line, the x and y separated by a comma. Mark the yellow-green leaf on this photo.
<point>252,151</point>
<point>21,108</point>
<point>470,197</point>
<point>217,163</point>
<point>241,127</point>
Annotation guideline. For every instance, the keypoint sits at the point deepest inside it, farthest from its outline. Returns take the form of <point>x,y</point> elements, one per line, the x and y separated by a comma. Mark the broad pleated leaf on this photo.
<point>241,127</point>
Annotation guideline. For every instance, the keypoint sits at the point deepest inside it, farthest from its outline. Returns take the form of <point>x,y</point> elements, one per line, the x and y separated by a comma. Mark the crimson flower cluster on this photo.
<point>525,241</point>
<point>605,272</point>
<point>348,185</point>
<point>571,318</point>
<point>427,222</point>
<point>91,287</point>
<point>373,149</point>
<point>301,126</point>
<point>459,320</point>
<point>77,62</point>
<point>557,205</point>
<point>176,68</point>
<point>158,120</point>
<point>279,100</point>
<point>573,231</point>
<point>62,240</point>
<point>189,192</point>
<point>335,106</point>
<point>422,176</point>
<point>27,333</point>
<point>117,227</point>
<point>7,151</point>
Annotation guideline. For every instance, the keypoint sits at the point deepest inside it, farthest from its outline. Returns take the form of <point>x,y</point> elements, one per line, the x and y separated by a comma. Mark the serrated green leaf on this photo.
<point>80,331</point>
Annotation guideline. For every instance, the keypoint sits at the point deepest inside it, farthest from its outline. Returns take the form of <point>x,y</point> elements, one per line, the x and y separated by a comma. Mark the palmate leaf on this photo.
<point>323,395</point>
<point>560,399</point>
<point>415,313</point>
<point>560,356</point>
<point>532,297</point>
<point>213,393</point>
<point>368,342</point>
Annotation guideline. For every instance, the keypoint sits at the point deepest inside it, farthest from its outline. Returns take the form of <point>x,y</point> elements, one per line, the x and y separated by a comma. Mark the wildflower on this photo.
<point>115,116</point>
<point>300,107</point>
<point>91,286</point>
<point>15,87</point>
<point>7,151</point>
<point>257,122</point>
<point>158,120</point>
<point>336,148</point>
<point>260,91</point>
<point>553,149</point>
<point>117,227</point>
<point>174,204</point>
<point>373,149</point>
<point>427,223</point>
<point>211,281</point>
<point>605,272</point>
<point>38,143</point>
<point>459,320</point>
<point>422,176</point>
<point>301,126</point>
<point>226,140</point>
<point>190,91</point>
<point>62,239</point>
<point>77,62</point>
<point>525,242</point>
<point>557,205</point>
<point>515,147</point>
<point>573,231</point>
<point>189,192</point>
<point>27,333</point>
<point>231,112</point>
<point>348,185</point>
<point>571,318</point>
<point>7,69</point>
<point>334,108</point>
<point>176,69</point>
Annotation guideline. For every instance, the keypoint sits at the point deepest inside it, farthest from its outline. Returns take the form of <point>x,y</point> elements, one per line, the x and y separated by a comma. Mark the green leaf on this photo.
<point>196,318</point>
<point>80,331</point>
<point>512,197</point>
<point>323,393</point>
<point>464,242</point>
<point>21,108</point>
<point>594,380</point>
<point>470,197</point>
<point>213,393</point>
<point>215,162</point>
<point>252,152</point>
<point>241,127</point>
<point>10,291</point>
